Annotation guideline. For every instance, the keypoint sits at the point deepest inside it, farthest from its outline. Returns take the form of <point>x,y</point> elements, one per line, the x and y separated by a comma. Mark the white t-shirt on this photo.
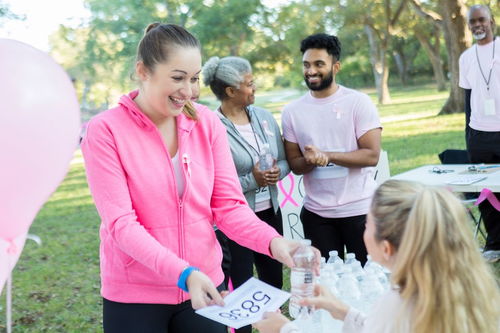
<point>334,123</point>
<point>485,116</point>
<point>179,177</point>
<point>262,195</point>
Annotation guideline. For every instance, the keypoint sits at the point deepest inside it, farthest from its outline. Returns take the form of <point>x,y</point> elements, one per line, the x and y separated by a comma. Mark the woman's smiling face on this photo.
<point>170,85</point>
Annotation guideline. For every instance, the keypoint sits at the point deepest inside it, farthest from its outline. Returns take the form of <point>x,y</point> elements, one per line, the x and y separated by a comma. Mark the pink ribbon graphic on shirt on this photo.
<point>288,196</point>
<point>486,194</point>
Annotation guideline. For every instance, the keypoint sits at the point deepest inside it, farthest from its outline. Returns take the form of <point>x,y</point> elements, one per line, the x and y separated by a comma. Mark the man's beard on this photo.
<point>479,36</point>
<point>325,82</point>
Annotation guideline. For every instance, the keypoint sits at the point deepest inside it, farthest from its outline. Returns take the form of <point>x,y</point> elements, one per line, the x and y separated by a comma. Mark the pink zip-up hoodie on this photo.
<point>148,234</point>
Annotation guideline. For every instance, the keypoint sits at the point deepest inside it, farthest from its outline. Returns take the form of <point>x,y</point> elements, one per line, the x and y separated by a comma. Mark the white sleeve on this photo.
<point>354,322</point>
<point>462,72</point>
<point>287,126</point>
<point>366,116</point>
<point>290,327</point>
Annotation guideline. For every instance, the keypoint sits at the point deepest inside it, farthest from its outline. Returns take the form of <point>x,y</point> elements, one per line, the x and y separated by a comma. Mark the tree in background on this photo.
<point>233,27</point>
<point>7,14</point>
<point>451,16</point>
<point>379,19</point>
<point>377,36</point>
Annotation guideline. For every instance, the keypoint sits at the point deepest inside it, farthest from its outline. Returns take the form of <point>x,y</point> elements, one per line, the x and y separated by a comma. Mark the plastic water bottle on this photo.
<point>357,270</point>
<point>329,278</point>
<point>322,262</point>
<point>348,288</point>
<point>266,159</point>
<point>302,279</point>
<point>334,257</point>
<point>373,268</point>
<point>371,290</point>
<point>350,258</point>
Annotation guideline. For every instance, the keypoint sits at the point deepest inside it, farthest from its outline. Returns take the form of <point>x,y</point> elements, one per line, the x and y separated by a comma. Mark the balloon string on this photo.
<point>9,304</point>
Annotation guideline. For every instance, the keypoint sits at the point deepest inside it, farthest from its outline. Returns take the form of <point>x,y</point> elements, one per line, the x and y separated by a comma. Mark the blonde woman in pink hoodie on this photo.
<point>161,175</point>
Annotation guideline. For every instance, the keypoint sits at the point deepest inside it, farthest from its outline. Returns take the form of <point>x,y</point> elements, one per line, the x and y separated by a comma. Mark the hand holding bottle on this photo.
<point>273,175</point>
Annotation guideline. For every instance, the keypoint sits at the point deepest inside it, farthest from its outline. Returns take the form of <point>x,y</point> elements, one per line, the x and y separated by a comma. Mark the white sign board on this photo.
<point>290,196</point>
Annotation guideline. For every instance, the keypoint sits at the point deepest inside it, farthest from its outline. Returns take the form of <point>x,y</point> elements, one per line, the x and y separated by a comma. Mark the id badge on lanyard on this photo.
<point>489,107</point>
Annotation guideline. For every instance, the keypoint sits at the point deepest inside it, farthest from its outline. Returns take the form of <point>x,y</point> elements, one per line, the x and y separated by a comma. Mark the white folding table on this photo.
<point>425,175</point>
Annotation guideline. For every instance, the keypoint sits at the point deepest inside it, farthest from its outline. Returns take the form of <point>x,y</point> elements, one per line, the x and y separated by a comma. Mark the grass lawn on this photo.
<point>56,285</point>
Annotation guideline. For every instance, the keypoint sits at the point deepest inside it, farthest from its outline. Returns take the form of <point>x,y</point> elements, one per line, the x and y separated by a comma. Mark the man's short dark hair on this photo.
<point>322,41</point>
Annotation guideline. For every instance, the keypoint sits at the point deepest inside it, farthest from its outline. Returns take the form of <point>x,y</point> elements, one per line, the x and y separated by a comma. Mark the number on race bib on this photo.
<point>253,307</point>
<point>263,297</point>
<point>228,315</point>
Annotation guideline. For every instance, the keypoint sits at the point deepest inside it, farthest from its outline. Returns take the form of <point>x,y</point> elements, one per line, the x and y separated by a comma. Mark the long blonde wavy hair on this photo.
<point>445,284</point>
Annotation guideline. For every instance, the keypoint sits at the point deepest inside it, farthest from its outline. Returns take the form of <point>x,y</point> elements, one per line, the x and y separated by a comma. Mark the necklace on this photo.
<point>251,126</point>
<point>487,81</point>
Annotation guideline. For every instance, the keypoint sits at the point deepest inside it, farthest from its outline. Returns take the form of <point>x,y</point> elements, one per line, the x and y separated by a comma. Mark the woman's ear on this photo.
<point>230,91</point>
<point>141,71</point>
<point>388,250</point>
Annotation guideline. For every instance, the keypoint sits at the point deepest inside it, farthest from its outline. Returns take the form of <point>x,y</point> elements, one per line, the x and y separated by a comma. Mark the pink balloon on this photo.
<point>39,127</point>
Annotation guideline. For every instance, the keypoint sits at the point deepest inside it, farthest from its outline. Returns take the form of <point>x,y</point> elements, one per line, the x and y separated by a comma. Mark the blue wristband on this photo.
<point>181,283</point>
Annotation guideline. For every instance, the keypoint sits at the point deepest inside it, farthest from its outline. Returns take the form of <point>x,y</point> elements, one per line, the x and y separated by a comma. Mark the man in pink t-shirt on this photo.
<point>480,77</point>
<point>332,137</point>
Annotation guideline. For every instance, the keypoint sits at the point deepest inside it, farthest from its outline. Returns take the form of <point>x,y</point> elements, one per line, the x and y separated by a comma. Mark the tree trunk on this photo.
<point>433,54</point>
<point>400,60</point>
<point>378,59</point>
<point>458,39</point>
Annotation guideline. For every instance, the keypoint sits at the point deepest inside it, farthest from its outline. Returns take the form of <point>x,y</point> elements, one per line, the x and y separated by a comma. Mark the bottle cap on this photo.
<point>306,242</point>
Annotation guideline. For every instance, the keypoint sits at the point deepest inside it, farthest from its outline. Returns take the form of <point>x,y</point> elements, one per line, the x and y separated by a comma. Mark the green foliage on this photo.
<point>7,14</point>
<point>231,27</point>
<point>101,53</point>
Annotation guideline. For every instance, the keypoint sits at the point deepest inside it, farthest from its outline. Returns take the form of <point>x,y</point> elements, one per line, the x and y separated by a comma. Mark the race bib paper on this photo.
<point>246,304</point>
<point>489,107</point>
<point>330,171</point>
<point>262,194</point>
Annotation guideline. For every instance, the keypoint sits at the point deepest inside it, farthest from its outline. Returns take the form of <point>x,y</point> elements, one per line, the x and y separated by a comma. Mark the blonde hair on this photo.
<point>155,47</point>
<point>444,282</point>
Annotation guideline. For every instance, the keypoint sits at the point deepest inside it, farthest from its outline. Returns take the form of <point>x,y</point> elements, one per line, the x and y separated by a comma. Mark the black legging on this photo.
<point>328,234</point>
<point>242,260</point>
<point>484,147</point>
<point>155,318</point>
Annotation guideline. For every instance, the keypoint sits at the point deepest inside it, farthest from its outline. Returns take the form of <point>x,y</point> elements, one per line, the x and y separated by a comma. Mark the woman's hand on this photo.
<point>273,175</point>
<point>271,322</point>
<point>324,299</point>
<point>259,175</point>
<point>282,249</point>
<point>202,291</point>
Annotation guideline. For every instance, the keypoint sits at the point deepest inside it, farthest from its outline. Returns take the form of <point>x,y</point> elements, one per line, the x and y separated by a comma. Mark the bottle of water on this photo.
<point>302,279</point>
<point>371,290</point>
<point>348,288</point>
<point>266,159</point>
<point>350,258</point>
<point>357,270</point>
<point>334,257</point>
<point>373,268</point>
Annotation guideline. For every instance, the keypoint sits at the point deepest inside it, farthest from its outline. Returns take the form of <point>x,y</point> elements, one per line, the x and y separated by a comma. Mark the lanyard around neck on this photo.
<point>487,81</point>
<point>251,126</point>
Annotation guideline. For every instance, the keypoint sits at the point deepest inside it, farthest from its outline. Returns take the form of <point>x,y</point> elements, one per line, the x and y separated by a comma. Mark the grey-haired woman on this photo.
<point>251,132</point>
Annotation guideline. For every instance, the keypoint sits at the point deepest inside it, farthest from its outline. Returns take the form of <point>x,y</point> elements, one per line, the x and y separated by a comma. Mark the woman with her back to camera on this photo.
<point>161,174</point>
<point>440,281</point>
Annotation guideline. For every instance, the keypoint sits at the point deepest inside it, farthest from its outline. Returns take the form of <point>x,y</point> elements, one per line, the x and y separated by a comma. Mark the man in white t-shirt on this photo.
<point>332,137</point>
<point>480,77</point>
